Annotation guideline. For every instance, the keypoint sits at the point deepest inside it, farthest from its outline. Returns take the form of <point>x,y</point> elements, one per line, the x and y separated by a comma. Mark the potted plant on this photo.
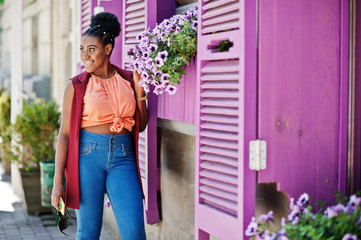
<point>34,131</point>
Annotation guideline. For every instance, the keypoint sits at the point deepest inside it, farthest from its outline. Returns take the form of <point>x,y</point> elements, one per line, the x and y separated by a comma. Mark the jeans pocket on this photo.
<point>86,147</point>
<point>129,148</point>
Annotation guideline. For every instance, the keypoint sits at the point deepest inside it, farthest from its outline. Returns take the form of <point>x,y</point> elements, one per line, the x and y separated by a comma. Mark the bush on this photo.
<point>5,131</point>
<point>36,128</point>
<point>339,222</point>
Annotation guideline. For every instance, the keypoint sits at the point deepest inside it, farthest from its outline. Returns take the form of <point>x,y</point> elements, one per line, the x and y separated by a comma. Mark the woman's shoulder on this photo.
<point>80,78</point>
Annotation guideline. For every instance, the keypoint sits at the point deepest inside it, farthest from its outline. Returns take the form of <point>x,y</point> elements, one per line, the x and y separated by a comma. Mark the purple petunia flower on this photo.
<point>163,55</point>
<point>354,201</point>
<point>145,54</point>
<point>159,62</point>
<point>334,211</point>
<point>145,76</point>
<point>295,213</point>
<point>158,90</point>
<point>139,37</point>
<point>303,200</point>
<point>252,228</point>
<point>349,236</point>
<point>171,89</point>
<point>266,217</point>
<point>152,47</point>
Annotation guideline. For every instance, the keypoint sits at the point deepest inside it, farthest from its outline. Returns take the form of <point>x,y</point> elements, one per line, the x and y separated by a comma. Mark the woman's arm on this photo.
<point>142,106</point>
<point>62,147</point>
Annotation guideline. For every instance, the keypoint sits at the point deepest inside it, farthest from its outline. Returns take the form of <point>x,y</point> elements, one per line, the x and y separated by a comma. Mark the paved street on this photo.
<point>16,224</point>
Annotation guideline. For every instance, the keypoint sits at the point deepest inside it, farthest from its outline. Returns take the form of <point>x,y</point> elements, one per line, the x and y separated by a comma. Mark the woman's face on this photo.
<point>94,54</point>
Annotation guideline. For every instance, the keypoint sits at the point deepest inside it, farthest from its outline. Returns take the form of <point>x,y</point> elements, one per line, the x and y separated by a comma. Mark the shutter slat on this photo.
<point>219,158</point>
<point>221,19</point>
<point>220,85</point>
<point>219,118</point>
<point>219,167</point>
<point>219,102</point>
<point>218,176</point>
<point>220,127</point>
<point>219,143</point>
<point>221,67</point>
<point>135,6</point>
<point>133,34</point>
<point>135,28</point>
<point>220,151</point>
<point>220,93</point>
<point>220,185</point>
<point>135,20</point>
<point>218,193</point>
<point>135,14</point>
<point>226,206</point>
<point>220,110</point>
<point>220,76</point>
<point>221,135</point>
<point>133,1</point>
<point>220,10</point>
<point>219,27</point>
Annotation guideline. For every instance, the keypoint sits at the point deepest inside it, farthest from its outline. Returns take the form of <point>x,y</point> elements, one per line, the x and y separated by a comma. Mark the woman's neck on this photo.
<point>107,73</point>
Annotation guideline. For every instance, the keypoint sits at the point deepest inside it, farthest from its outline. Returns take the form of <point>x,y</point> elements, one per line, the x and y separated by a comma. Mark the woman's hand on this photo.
<point>58,192</point>
<point>139,91</point>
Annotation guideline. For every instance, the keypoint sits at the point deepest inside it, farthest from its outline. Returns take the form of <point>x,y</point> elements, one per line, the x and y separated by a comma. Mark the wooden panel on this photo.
<point>299,94</point>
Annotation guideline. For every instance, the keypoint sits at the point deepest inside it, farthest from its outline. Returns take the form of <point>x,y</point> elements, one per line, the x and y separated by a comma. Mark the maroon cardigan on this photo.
<point>72,163</point>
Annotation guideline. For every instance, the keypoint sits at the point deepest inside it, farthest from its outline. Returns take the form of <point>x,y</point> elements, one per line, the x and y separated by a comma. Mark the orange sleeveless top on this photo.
<point>109,100</point>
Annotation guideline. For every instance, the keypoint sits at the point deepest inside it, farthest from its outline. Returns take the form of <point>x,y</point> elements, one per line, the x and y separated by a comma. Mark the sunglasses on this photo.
<point>63,221</point>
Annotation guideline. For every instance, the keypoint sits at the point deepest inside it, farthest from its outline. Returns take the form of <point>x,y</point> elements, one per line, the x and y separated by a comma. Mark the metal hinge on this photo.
<point>257,155</point>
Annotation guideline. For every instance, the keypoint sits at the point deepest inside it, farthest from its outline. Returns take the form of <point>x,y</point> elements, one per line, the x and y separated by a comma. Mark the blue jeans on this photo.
<point>107,164</point>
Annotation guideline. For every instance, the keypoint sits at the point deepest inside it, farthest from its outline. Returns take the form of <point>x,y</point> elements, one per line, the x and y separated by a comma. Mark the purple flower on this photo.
<point>145,76</point>
<point>349,236</point>
<point>159,62</point>
<point>252,228</point>
<point>146,55</point>
<point>334,211</point>
<point>295,213</point>
<point>194,25</point>
<point>303,200</point>
<point>149,63</point>
<point>354,201</point>
<point>139,37</point>
<point>266,217</point>
<point>158,90</point>
<point>130,52</point>
<point>171,89</point>
<point>152,47</point>
<point>163,55</point>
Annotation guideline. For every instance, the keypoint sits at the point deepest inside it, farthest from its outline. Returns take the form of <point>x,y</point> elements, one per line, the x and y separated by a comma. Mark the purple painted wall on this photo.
<point>302,84</point>
<point>181,106</point>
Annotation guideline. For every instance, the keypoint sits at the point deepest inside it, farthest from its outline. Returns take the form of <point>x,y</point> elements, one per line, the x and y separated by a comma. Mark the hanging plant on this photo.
<point>162,53</point>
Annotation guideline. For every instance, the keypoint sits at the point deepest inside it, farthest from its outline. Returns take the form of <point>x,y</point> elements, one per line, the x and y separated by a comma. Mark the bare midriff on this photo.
<point>104,129</point>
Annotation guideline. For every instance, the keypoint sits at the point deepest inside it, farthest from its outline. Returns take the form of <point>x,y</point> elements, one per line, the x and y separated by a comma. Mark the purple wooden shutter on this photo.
<point>139,15</point>
<point>226,119</point>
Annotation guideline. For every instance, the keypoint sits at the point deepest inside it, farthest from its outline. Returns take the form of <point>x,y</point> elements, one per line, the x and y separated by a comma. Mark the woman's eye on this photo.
<point>81,50</point>
<point>91,49</point>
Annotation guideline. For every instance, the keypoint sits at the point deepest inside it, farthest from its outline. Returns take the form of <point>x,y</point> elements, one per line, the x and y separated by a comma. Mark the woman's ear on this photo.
<point>108,49</point>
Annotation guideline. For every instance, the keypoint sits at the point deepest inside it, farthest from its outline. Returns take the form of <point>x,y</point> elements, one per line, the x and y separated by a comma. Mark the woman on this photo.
<point>103,112</point>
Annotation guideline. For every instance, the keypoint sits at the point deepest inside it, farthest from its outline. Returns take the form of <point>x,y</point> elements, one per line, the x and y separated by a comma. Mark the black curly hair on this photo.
<point>105,26</point>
